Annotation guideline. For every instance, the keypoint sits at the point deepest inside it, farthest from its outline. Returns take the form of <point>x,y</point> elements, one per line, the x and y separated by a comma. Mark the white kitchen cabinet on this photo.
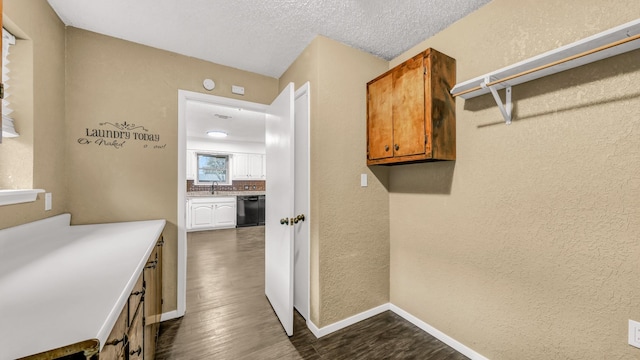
<point>240,164</point>
<point>255,166</point>
<point>202,215</point>
<point>225,214</point>
<point>208,213</point>
<point>248,166</point>
<point>192,165</point>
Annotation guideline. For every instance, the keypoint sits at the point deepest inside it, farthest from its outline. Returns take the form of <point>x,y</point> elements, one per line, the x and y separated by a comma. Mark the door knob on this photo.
<point>298,218</point>
<point>284,221</point>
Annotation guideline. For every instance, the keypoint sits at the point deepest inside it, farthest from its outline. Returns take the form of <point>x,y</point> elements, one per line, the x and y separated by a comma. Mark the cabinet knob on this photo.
<point>397,147</point>
<point>386,148</point>
<point>298,218</point>
<point>284,221</point>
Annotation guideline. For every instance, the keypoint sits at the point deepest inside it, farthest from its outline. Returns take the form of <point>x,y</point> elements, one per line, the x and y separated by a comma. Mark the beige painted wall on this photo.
<point>349,223</point>
<point>526,247</point>
<point>115,81</point>
<point>37,157</point>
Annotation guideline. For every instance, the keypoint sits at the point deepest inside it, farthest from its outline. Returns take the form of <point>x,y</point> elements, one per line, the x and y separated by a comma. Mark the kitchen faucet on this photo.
<point>213,187</point>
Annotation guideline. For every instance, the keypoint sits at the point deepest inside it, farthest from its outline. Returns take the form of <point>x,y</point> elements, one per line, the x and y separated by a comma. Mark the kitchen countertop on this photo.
<point>223,193</point>
<point>63,284</point>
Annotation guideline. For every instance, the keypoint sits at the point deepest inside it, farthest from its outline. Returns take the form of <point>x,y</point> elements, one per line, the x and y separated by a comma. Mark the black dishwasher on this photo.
<point>248,210</point>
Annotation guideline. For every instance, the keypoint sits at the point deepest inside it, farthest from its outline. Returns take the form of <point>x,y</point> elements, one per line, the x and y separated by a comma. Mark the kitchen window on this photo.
<point>212,168</point>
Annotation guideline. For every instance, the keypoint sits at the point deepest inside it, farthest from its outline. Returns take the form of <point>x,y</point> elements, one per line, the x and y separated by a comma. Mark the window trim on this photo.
<point>208,183</point>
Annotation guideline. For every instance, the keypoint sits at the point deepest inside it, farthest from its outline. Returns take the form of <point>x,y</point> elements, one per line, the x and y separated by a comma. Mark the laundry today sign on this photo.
<point>119,135</point>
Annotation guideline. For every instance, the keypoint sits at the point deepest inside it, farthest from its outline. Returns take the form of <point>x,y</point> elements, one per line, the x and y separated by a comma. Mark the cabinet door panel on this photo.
<point>240,166</point>
<point>201,215</point>
<point>380,126</point>
<point>135,298</point>
<point>225,214</point>
<point>136,337</point>
<point>153,300</point>
<point>255,166</point>
<point>408,108</point>
<point>114,347</point>
<point>192,167</point>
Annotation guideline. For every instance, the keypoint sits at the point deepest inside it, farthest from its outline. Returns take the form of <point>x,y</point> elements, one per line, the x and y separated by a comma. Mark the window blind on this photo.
<point>8,129</point>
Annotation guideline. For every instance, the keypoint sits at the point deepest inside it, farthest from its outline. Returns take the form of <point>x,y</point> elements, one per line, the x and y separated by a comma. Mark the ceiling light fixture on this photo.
<point>217,134</point>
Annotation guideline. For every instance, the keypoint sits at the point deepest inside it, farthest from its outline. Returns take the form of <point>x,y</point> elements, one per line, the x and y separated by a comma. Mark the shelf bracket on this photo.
<point>507,107</point>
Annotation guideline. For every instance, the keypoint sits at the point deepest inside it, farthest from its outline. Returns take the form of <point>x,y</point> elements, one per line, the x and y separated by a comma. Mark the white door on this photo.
<point>301,203</point>
<point>279,143</point>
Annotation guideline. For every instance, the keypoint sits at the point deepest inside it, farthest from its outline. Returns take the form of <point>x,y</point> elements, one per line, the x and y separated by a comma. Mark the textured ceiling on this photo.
<point>262,36</point>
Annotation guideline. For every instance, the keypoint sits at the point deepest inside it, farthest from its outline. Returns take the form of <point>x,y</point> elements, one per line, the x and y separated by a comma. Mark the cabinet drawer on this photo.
<point>137,294</point>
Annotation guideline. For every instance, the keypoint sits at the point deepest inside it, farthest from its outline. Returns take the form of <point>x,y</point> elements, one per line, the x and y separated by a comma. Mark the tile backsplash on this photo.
<point>237,185</point>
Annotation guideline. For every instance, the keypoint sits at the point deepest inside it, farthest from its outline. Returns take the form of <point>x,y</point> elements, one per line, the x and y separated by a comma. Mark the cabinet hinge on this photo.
<point>425,70</point>
<point>1,91</point>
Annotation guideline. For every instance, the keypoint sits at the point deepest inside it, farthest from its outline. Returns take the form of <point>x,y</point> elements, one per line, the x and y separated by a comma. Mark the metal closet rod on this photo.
<point>557,62</point>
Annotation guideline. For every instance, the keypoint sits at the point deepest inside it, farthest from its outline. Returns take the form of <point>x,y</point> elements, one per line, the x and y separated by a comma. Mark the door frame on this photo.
<point>183,97</point>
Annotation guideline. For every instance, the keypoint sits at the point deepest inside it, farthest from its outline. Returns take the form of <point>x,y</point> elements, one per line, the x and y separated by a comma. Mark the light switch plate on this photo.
<point>47,201</point>
<point>634,333</point>
<point>363,180</point>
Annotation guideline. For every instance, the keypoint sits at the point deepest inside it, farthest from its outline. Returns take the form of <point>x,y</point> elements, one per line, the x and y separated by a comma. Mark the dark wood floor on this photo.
<point>229,317</point>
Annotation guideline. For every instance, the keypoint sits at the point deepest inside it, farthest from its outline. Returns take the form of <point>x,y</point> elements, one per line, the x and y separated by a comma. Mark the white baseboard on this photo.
<point>458,346</point>
<point>169,315</point>
<point>326,330</point>
<point>461,348</point>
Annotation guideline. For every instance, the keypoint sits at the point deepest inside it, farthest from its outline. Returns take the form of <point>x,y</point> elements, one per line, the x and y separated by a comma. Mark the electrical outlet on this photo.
<point>634,333</point>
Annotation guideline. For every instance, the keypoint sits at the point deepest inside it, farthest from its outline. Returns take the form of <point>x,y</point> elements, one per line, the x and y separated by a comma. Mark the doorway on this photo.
<point>302,239</point>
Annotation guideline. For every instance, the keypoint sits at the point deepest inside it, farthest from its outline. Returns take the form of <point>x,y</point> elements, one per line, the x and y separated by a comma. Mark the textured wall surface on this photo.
<point>349,223</point>
<point>39,113</point>
<point>115,81</point>
<point>526,247</point>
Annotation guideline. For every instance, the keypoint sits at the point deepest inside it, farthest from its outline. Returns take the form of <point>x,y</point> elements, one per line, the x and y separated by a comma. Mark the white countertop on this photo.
<point>192,194</point>
<point>62,284</point>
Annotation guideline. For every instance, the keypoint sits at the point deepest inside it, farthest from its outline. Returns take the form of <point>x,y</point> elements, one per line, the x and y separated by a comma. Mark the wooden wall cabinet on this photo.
<point>410,112</point>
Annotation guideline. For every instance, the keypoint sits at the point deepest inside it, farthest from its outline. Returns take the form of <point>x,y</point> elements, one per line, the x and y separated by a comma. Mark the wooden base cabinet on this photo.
<point>135,334</point>
<point>410,112</point>
<point>116,345</point>
<point>153,300</point>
